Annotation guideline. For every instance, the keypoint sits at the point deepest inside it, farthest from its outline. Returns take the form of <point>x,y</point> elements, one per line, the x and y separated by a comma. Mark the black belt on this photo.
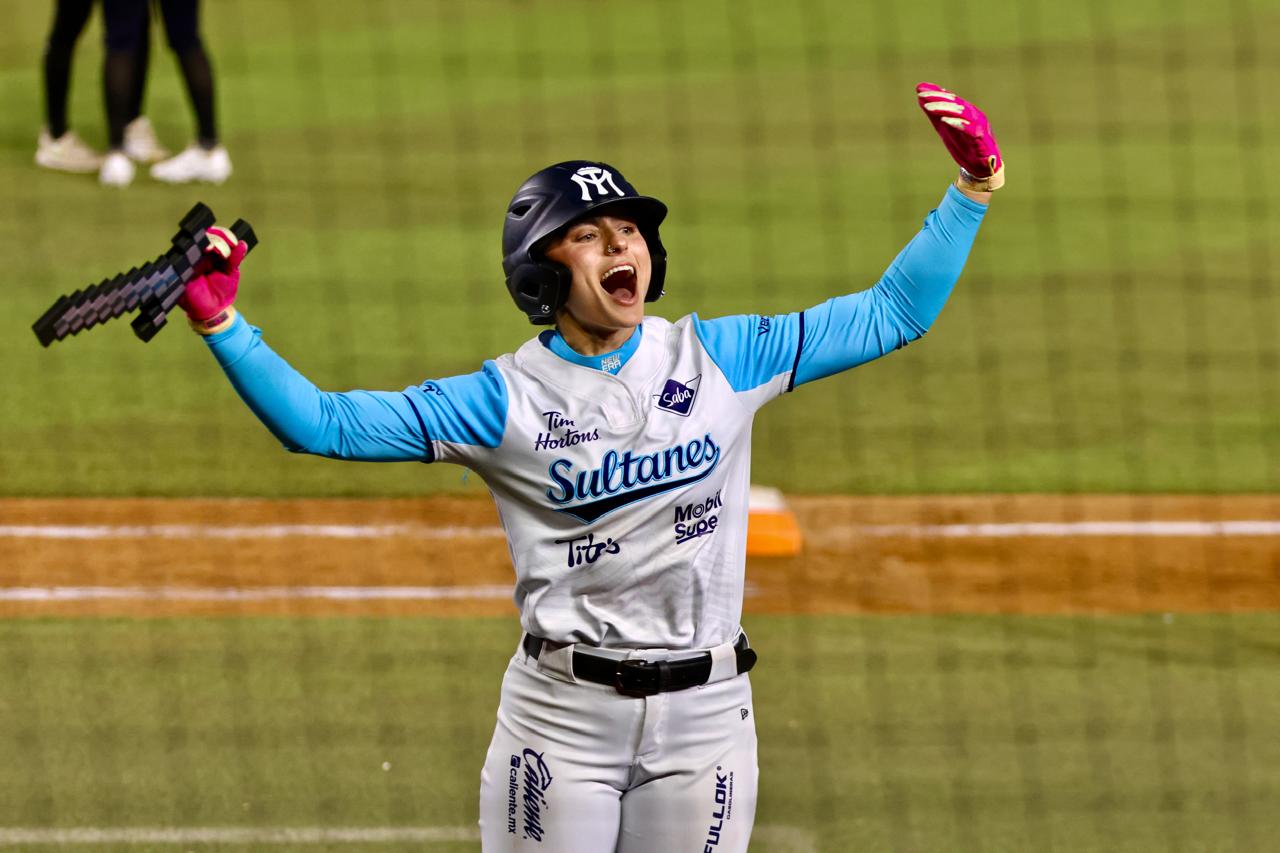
<point>633,677</point>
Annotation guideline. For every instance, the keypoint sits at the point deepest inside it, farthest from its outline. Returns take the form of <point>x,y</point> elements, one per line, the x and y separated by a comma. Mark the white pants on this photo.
<point>580,768</point>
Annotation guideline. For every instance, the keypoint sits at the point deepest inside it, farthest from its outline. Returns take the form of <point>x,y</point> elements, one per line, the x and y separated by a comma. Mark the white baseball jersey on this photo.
<point>624,497</point>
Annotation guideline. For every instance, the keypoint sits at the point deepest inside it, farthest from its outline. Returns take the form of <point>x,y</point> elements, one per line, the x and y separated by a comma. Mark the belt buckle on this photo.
<point>637,678</point>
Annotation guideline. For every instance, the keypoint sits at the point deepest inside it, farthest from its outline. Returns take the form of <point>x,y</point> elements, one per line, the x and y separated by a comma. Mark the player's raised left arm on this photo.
<point>851,330</point>
<point>855,328</point>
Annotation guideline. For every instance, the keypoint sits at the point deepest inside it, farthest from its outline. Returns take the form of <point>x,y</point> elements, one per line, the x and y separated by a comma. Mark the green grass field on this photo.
<point>1116,331</point>
<point>957,733</point>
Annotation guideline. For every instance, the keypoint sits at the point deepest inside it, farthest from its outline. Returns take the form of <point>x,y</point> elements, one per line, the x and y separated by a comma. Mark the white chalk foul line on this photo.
<point>261,593</point>
<point>11,836</point>
<point>251,531</point>
<point>53,594</point>
<point>1258,527</point>
<point>1074,528</point>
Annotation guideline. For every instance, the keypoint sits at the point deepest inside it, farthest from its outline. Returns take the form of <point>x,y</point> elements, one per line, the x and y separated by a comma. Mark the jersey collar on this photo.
<point>609,362</point>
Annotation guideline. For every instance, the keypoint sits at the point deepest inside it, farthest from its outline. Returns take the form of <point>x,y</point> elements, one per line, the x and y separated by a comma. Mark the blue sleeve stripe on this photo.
<point>430,452</point>
<point>795,367</point>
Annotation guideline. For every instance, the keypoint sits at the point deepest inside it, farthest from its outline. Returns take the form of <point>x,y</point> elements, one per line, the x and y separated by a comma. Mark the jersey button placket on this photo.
<point>653,730</point>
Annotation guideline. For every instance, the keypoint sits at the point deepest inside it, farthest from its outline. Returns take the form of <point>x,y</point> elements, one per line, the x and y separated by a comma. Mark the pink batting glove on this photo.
<point>208,297</point>
<point>967,134</point>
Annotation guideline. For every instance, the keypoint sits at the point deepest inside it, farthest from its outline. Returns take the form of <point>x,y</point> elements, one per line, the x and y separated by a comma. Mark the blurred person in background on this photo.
<point>59,147</point>
<point>127,23</point>
<point>205,159</point>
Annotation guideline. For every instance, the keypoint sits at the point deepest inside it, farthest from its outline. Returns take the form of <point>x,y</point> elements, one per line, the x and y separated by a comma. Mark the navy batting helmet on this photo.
<point>553,199</point>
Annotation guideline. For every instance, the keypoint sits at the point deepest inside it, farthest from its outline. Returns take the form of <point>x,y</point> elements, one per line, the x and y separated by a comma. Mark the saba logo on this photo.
<point>677,397</point>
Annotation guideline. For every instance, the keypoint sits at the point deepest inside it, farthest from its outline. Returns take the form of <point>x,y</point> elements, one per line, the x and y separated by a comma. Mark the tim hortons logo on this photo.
<point>569,434</point>
<point>593,176</point>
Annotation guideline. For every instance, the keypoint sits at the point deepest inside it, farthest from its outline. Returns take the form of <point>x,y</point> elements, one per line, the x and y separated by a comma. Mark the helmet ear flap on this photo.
<point>540,290</point>
<point>657,277</point>
<point>658,258</point>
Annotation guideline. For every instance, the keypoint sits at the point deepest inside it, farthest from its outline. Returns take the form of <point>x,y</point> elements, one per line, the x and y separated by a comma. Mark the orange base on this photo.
<point>772,529</point>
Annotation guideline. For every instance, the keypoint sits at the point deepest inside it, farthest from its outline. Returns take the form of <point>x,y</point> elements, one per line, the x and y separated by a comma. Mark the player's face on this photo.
<point>611,267</point>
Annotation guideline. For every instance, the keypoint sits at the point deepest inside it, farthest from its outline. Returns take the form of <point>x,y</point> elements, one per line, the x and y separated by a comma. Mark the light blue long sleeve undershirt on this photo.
<point>750,349</point>
<point>850,330</point>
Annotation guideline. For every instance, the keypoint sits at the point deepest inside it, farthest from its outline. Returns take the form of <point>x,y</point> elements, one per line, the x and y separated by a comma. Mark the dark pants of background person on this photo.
<point>69,19</point>
<point>127,22</point>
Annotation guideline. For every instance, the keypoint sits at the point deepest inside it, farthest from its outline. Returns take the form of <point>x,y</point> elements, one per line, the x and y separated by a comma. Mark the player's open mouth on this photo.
<point>620,283</point>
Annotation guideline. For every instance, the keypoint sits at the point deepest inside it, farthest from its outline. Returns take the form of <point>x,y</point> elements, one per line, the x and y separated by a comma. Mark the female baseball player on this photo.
<point>617,448</point>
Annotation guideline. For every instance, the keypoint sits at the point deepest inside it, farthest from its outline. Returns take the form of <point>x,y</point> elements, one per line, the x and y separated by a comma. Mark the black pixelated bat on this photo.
<point>152,289</point>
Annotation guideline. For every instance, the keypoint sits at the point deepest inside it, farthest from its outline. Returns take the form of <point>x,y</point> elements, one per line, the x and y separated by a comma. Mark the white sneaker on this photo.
<point>140,142</point>
<point>117,170</point>
<point>67,153</point>
<point>194,164</point>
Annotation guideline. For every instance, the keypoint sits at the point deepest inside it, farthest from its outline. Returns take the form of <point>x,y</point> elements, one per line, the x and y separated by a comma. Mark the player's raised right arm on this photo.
<point>377,426</point>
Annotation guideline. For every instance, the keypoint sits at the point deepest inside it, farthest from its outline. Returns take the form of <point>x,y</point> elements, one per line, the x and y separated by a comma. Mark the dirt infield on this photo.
<point>445,556</point>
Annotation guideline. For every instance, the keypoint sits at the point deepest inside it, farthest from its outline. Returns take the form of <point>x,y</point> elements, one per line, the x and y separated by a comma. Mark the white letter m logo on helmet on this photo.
<point>593,176</point>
